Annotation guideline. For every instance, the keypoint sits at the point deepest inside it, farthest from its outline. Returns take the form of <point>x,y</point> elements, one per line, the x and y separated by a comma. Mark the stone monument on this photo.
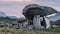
<point>36,15</point>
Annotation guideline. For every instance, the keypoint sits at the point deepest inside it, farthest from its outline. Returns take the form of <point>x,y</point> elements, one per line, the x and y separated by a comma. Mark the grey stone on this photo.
<point>30,27</point>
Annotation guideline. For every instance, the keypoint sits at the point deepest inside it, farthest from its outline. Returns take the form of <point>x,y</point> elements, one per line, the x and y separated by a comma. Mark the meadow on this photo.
<point>7,30</point>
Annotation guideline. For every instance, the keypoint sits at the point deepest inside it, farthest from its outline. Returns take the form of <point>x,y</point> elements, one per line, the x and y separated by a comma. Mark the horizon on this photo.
<point>15,7</point>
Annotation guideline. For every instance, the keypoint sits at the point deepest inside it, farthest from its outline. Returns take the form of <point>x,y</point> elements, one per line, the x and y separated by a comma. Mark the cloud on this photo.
<point>17,0</point>
<point>16,7</point>
<point>13,8</point>
<point>47,0</point>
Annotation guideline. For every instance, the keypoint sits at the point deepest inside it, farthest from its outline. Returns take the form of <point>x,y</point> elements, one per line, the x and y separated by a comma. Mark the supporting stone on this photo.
<point>27,21</point>
<point>47,22</point>
<point>43,23</point>
<point>36,22</point>
<point>29,26</point>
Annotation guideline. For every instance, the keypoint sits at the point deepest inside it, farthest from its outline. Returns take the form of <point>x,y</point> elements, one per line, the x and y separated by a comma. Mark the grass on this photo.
<point>27,31</point>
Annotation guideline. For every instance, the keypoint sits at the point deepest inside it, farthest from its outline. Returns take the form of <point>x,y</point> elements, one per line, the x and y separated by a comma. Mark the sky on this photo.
<point>15,7</point>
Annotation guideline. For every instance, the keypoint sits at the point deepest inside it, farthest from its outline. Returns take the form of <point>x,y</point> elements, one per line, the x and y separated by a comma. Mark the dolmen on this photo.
<point>36,16</point>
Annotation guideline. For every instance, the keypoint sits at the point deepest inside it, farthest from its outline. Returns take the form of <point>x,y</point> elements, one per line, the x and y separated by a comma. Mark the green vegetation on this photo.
<point>5,30</point>
<point>27,31</point>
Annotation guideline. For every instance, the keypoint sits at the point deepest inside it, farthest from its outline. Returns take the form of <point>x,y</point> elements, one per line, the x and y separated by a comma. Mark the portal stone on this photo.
<point>47,22</point>
<point>36,22</point>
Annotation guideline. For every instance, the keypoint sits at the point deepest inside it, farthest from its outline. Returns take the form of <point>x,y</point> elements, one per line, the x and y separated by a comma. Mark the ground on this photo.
<point>6,30</point>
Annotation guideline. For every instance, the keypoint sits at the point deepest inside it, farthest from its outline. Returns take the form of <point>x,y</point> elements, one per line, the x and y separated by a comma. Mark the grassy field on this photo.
<point>6,30</point>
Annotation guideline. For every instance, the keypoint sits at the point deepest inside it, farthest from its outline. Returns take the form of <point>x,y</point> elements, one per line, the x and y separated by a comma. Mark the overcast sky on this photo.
<point>15,7</point>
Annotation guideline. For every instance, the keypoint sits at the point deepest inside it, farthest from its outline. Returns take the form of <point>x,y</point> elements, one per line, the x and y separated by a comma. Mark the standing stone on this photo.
<point>36,22</point>
<point>27,21</point>
<point>25,24</point>
<point>47,22</point>
<point>30,27</point>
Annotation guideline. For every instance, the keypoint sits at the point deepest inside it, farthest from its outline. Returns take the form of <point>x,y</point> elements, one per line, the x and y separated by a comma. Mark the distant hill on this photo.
<point>12,17</point>
<point>2,14</point>
<point>56,17</point>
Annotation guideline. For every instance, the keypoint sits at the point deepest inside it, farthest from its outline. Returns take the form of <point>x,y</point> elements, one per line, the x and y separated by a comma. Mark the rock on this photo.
<point>30,27</point>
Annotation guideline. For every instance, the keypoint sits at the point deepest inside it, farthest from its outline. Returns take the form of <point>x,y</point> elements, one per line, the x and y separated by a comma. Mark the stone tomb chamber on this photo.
<point>36,15</point>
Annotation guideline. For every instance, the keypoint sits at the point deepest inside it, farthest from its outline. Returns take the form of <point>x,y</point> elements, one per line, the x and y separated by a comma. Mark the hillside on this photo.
<point>27,31</point>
